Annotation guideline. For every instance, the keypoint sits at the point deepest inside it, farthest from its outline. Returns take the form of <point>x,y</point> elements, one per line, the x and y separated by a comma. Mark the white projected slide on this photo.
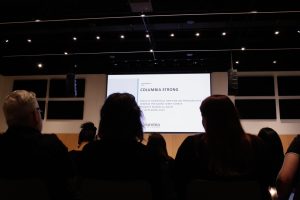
<point>170,102</point>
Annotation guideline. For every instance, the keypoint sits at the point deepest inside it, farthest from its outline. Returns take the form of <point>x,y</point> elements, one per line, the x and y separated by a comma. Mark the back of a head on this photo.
<point>87,133</point>
<point>275,151</point>
<point>121,118</point>
<point>271,139</point>
<point>268,134</point>
<point>221,117</point>
<point>229,150</point>
<point>157,144</point>
<point>156,139</point>
<point>18,106</point>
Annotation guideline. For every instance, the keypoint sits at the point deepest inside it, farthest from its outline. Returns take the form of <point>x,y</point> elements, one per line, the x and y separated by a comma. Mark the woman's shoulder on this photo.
<point>190,142</point>
<point>294,147</point>
<point>195,138</point>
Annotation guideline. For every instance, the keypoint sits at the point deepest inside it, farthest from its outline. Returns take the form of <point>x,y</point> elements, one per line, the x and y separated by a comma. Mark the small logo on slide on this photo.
<point>153,125</point>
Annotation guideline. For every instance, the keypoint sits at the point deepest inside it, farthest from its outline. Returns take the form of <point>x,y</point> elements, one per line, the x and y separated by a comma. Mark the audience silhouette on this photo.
<point>157,149</point>
<point>119,154</point>
<point>26,153</point>
<point>86,135</point>
<point>275,151</point>
<point>224,151</point>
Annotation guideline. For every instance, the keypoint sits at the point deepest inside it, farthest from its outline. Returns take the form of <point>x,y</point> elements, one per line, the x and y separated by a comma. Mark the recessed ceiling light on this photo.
<point>40,65</point>
<point>243,48</point>
<point>172,35</point>
<point>98,37</point>
<point>237,62</point>
<point>147,35</point>
<point>274,61</point>
<point>276,32</point>
<point>224,33</point>
<point>197,34</point>
<point>122,36</point>
<point>298,31</point>
<point>74,38</point>
<point>29,40</point>
<point>66,53</point>
<point>6,41</point>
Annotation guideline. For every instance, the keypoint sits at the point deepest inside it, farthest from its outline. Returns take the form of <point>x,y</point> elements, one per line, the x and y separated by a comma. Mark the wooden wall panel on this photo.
<point>173,141</point>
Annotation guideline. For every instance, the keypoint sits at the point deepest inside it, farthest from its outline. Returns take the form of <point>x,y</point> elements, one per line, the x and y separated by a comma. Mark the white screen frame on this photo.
<point>143,87</point>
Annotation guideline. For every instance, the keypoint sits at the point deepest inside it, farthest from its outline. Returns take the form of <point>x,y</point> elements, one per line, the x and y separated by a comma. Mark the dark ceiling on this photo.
<point>197,46</point>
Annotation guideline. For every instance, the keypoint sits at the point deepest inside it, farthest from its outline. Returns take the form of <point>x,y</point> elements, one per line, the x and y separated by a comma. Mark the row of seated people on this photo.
<point>224,152</point>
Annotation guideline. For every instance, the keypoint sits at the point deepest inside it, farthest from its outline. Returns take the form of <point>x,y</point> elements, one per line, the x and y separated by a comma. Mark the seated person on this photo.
<point>224,151</point>
<point>288,179</point>
<point>157,148</point>
<point>119,154</point>
<point>86,135</point>
<point>275,151</point>
<point>27,153</point>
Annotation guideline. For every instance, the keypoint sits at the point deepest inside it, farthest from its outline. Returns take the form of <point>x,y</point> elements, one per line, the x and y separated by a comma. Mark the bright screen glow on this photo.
<point>170,102</point>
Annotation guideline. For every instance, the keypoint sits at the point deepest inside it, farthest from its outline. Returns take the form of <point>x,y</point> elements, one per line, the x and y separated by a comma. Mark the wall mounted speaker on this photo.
<point>233,82</point>
<point>71,85</point>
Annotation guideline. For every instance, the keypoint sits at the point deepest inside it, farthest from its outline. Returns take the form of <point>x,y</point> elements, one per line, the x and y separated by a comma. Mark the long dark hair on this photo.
<point>157,146</point>
<point>121,118</point>
<point>275,149</point>
<point>225,137</point>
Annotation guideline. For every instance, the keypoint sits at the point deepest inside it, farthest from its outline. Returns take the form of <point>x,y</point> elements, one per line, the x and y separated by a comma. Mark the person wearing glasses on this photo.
<point>27,153</point>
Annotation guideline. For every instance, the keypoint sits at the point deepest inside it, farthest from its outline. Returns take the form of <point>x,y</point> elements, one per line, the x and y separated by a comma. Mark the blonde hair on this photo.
<point>17,106</point>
